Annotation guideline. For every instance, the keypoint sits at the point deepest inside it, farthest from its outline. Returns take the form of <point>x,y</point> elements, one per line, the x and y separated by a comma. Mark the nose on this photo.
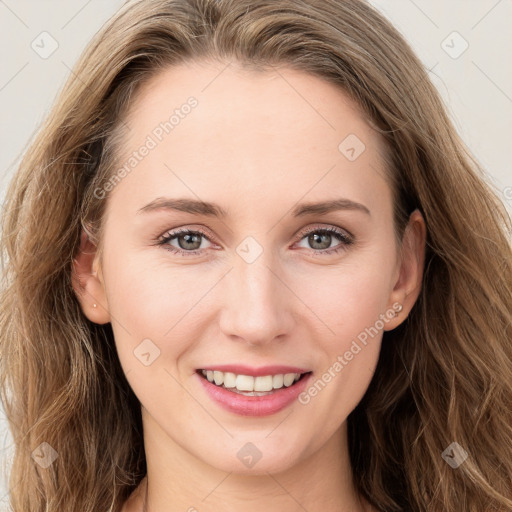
<point>256,303</point>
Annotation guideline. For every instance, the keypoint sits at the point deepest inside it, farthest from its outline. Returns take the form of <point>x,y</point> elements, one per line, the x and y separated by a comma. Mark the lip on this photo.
<point>255,372</point>
<point>255,405</point>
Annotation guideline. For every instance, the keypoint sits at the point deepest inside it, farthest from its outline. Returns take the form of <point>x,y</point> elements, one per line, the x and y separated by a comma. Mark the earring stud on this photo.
<point>94,305</point>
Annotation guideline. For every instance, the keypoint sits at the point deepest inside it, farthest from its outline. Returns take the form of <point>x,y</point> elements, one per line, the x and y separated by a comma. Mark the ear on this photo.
<point>407,287</point>
<point>88,282</point>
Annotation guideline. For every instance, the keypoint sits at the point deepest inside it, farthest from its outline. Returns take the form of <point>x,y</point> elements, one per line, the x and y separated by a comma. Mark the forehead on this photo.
<point>216,128</point>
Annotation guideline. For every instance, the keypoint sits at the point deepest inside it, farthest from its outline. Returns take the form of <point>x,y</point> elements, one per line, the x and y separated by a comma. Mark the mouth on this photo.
<point>249,385</point>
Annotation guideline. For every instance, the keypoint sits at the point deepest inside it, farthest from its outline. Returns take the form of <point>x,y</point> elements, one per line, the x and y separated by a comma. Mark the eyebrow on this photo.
<point>196,207</point>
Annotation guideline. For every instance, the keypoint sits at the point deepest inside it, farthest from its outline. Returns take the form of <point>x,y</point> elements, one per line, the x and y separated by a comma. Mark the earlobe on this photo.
<point>88,284</point>
<point>412,260</point>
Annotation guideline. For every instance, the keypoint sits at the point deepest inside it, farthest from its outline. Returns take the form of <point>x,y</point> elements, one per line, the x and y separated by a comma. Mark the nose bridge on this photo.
<point>254,304</point>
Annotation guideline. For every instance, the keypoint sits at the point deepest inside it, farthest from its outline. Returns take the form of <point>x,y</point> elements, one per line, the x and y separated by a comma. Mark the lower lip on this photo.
<point>255,405</point>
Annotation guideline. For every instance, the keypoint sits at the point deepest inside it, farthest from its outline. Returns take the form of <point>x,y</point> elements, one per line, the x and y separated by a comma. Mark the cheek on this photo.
<point>149,321</point>
<point>349,354</point>
<point>155,308</point>
<point>348,298</point>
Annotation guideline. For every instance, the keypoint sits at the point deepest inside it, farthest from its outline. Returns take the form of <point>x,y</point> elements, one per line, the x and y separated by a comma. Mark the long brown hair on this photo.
<point>444,376</point>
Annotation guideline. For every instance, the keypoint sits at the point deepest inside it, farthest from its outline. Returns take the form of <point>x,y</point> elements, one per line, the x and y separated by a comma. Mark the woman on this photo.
<point>249,263</point>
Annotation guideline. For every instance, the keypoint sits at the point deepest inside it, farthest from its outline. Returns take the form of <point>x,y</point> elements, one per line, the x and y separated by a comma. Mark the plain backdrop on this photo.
<point>466,45</point>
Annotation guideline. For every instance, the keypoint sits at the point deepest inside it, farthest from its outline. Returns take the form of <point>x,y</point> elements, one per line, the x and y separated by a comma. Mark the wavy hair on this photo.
<point>444,375</point>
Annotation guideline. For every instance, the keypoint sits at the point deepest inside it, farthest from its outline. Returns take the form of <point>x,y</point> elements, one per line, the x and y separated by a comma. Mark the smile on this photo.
<point>249,385</point>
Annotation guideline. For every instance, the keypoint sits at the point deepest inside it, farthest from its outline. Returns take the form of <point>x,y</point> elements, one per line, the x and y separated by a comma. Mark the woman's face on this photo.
<point>253,167</point>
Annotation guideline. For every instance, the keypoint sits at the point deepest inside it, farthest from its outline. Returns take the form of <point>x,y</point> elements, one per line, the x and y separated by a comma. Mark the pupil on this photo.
<point>189,239</point>
<point>315,238</point>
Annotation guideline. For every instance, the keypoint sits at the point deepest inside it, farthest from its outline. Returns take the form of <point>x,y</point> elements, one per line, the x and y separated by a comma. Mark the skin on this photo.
<point>257,144</point>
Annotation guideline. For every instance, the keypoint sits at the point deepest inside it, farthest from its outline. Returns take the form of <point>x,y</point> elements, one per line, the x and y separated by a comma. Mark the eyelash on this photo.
<point>344,237</point>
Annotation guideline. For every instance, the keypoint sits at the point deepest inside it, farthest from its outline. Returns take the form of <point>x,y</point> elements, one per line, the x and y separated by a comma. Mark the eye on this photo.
<point>187,242</point>
<point>320,239</point>
<point>184,241</point>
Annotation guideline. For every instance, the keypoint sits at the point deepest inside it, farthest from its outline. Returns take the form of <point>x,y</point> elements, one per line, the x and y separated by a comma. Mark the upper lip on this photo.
<point>253,371</point>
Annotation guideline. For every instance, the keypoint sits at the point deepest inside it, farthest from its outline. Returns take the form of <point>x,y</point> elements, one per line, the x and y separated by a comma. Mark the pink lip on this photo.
<point>255,372</point>
<point>255,405</point>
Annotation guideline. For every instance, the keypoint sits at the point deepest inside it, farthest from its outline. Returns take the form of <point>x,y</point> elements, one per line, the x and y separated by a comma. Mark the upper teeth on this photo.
<point>249,383</point>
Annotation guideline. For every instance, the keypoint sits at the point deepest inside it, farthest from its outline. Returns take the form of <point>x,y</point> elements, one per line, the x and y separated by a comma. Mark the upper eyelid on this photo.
<point>171,233</point>
<point>329,228</point>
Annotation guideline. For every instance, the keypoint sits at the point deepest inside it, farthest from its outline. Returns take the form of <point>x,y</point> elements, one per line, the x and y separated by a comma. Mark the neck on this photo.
<point>320,482</point>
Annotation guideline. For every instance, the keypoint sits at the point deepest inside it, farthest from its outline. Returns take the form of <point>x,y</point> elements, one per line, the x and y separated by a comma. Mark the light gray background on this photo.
<point>476,86</point>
